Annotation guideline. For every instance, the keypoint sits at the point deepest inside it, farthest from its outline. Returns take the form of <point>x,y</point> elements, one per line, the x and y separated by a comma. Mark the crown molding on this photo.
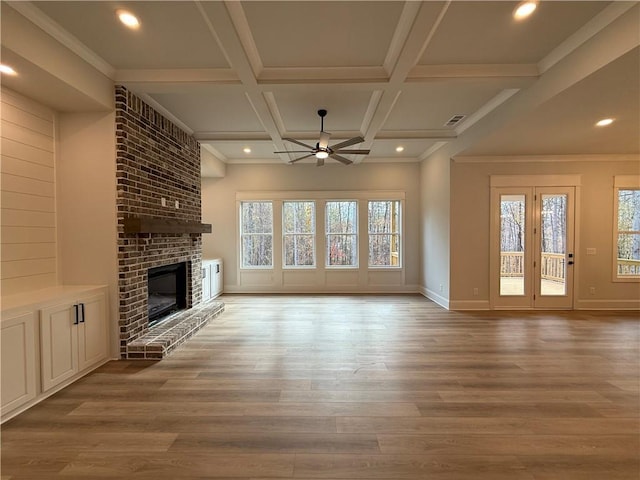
<point>546,158</point>
<point>178,75</point>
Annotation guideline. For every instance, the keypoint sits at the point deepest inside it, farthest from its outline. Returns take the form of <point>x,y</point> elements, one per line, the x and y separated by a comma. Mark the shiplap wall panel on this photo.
<point>28,251</point>
<point>14,149</point>
<point>22,168</point>
<point>25,201</point>
<point>28,195</point>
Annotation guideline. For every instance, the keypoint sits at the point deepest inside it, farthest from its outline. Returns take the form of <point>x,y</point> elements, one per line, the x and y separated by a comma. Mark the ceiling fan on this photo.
<point>322,149</point>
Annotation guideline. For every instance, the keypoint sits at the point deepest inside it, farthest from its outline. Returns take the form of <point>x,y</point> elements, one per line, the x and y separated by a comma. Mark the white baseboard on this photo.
<point>314,290</point>
<point>607,305</point>
<point>469,305</point>
<point>435,297</point>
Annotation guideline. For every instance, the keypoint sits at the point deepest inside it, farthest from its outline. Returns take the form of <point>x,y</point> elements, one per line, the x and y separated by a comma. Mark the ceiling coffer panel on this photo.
<point>171,34</point>
<point>322,34</point>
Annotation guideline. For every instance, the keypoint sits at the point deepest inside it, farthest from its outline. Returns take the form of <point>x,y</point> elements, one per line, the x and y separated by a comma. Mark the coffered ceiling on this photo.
<point>244,75</point>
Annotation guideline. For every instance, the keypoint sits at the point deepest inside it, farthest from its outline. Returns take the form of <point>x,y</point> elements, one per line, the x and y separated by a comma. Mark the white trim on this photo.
<point>535,180</point>
<point>317,289</point>
<point>545,158</point>
<point>486,109</point>
<point>626,181</point>
<point>435,297</point>
<point>587,31</point>
<point>469,305</point>
<point>608,305</point>
<point>241,25</point>
<point>403,28</point>
<point>149,100</point>
<point>334,195</point>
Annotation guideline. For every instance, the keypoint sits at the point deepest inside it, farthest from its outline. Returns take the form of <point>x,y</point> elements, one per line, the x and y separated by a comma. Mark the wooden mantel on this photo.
<point>143,224</point>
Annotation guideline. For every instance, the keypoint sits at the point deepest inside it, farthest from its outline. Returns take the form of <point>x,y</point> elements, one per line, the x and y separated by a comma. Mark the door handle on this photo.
<point>570,262</point>
<point>76,308</point>
<point>82,313</point>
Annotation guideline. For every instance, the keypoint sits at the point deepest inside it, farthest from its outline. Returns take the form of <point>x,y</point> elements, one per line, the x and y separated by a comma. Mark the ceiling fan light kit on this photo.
<point>322,150</point>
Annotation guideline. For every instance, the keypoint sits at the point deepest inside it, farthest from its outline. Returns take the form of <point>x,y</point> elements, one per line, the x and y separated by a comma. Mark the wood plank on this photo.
<point>14,183</point>
<point>28,268</point>
<point>25,218</point>
<point>163,225</point>
<point>28,251</point>
<point>352,387</point>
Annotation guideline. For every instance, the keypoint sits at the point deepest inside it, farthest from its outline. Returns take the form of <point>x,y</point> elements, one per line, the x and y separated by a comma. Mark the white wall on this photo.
<point>219,209</point>
<point>28,217</point>
<point>87,221</point>
<point>470,223</point>
<point>434,225</point>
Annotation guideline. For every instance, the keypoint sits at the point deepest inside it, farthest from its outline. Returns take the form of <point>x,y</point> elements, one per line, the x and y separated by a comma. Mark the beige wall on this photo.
<point>219,204</point>
<point>87,220</point>
<point>434,225</point>
<point>28,195</point>
<point>470,223</point>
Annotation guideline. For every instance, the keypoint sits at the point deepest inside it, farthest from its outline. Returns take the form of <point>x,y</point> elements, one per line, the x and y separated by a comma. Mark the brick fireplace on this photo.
<point>158,177</point>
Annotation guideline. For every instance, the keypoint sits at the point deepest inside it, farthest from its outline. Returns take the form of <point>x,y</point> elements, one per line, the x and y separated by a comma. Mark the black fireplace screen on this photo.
<point>167,291</point>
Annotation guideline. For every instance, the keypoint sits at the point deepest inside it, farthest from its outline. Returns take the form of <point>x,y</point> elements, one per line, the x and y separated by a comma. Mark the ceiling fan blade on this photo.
<point>320,162</point>
<point>301,158</point>
<point>324,139</point>
<point>353,152</point>
<point>294,151</point>
<point>347,143</point>
<point>293,140</point>
<point>344,161</point>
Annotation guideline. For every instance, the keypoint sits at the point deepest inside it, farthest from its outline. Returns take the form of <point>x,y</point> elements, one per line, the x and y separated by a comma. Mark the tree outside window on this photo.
<point>384,233</point>
<point>342,233</point>
<point>298,233</point>
<point>628,234</point>
<point>256,232</point>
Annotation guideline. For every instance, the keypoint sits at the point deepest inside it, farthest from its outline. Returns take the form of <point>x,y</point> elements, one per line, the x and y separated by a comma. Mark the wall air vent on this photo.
<point>453,121</point>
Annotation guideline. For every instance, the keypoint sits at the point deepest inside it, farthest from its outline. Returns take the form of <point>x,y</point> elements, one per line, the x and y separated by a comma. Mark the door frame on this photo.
<point>504,183</point>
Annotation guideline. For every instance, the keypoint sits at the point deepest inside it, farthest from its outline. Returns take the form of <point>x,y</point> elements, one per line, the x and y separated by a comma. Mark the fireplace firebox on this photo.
<point>167,287</point>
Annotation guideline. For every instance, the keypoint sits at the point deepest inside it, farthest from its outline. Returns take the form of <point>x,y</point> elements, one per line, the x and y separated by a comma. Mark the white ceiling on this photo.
<point>246,74</point>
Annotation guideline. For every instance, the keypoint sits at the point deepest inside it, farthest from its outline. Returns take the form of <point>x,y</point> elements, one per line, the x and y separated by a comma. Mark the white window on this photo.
<point>384,233</point>
<point>256,234</point>
<point>341,228</point>
<point>298,233</point>
<point>627,237</point>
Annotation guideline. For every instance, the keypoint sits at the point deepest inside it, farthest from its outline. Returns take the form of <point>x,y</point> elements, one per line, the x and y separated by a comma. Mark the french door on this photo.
<point>532,245</point>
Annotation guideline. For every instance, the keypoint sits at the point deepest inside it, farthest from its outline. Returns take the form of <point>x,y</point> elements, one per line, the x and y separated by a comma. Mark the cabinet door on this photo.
<point>92,330</point>
<point>206,281</point>
<point>216,278</point>
<point>59,344</point>
<point>18,360</point>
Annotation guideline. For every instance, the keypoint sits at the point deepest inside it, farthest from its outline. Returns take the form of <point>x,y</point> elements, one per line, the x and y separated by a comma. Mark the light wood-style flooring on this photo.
<point>353,387</point>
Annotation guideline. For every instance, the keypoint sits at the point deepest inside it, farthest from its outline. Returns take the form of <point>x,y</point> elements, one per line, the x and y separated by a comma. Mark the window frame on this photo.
<point>243,235</point>
<point>397,233</point>
<point>327,257</point>
<point>312,234</point>
<point>622,182</point>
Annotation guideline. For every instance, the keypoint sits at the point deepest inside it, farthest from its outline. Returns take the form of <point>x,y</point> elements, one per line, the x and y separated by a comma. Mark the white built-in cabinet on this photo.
<point>212,279</point>
<point>50,338</point>
<point>72,337</point>
<point>19,379</point>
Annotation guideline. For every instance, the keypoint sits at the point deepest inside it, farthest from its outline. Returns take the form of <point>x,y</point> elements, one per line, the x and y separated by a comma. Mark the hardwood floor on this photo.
<point>353,387</point>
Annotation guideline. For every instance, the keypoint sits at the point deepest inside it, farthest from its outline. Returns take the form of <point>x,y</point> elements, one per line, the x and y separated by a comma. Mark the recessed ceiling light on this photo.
<point>400,149</point>
<point>604,122</point>
<point>246,150</point>
<point>128,18</point>
<point>524,9</point>
<point>7,69</point>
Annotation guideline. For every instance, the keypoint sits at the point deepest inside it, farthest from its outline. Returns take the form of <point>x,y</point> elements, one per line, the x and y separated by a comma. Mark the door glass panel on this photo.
<point>553,244</point>
<point>512,244</point>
